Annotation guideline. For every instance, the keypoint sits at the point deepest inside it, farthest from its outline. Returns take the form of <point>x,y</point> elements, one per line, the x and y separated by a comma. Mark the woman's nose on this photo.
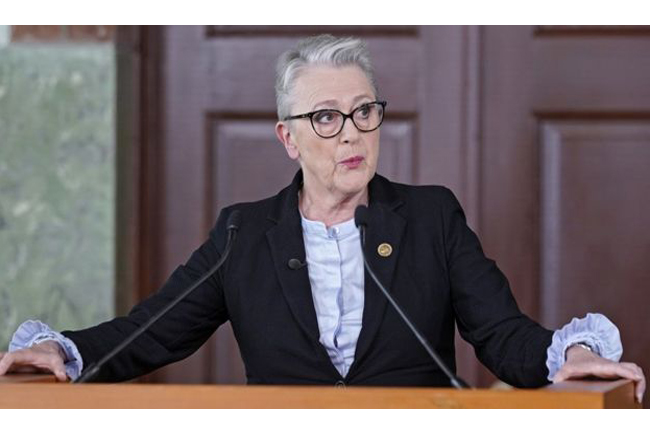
<point>349,133</point>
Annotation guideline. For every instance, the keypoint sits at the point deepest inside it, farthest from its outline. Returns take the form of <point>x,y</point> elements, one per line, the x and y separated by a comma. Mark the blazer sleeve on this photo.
<point>506,341</point>
<point>177,334</point>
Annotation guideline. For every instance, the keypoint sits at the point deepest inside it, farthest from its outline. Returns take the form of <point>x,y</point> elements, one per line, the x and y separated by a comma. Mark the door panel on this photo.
<point>564,178</point>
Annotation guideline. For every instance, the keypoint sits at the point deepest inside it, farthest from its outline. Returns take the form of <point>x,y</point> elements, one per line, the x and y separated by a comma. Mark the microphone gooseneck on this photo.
<point>361,221</point>
<point>232,226</point>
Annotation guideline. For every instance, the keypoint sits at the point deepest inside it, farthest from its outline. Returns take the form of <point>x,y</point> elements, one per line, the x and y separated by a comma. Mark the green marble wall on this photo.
<point>57,177</point>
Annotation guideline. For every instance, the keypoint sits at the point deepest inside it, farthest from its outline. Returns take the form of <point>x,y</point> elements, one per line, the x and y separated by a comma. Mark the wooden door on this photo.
<point>211,137</point>
<point>565,172</point>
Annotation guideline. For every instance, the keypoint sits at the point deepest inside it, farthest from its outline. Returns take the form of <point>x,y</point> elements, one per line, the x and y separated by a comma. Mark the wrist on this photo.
<point>576,350</point>
<point>53,347</point>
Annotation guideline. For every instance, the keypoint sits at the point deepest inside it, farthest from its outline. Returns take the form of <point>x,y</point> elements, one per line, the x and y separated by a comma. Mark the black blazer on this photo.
<point>437,273</point>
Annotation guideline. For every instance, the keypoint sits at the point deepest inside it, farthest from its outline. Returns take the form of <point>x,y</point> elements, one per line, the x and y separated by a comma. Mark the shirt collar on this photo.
<point>338,231</point>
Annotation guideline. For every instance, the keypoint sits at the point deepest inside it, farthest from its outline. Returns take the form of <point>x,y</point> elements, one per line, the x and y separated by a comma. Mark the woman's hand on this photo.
<point>45,356</point>
<point>581,362</point>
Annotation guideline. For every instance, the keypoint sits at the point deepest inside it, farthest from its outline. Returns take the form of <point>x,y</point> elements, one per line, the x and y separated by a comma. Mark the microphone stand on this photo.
<point>456,382</point>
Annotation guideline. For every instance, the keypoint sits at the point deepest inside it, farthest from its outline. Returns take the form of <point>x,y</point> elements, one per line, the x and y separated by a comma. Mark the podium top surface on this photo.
<point>41,391</point>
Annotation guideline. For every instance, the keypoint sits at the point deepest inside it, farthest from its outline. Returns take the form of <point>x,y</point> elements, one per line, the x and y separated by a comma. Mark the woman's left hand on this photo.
<point>581,362</point>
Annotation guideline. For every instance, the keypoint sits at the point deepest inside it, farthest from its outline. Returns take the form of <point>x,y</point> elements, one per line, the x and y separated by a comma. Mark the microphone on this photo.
<point>361,221</point>
<point>295,264</point>
<point>232,226</point>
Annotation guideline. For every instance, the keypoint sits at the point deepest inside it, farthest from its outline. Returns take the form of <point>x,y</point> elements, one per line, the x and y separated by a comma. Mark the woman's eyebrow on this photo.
<point>333,103</point>
<point>360,97</point>
<point>329,103</point>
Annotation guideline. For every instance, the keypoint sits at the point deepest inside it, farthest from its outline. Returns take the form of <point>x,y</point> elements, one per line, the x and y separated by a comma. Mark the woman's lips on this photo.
<point>353,162</point>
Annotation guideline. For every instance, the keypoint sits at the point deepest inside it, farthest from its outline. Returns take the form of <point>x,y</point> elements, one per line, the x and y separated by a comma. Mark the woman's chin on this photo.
<point>353,181</point>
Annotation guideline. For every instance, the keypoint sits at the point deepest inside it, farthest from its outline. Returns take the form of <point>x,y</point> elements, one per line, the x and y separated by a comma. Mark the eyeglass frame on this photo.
<point>350,116</point>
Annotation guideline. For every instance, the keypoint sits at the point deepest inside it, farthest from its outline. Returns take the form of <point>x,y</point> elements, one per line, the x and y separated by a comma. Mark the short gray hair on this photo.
<point>318,50</point>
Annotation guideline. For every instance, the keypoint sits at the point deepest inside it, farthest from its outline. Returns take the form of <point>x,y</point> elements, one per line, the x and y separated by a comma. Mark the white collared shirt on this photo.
<point>336,274</point>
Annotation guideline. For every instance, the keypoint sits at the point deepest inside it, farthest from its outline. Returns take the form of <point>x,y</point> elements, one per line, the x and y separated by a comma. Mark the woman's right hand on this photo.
<point>47,356</point>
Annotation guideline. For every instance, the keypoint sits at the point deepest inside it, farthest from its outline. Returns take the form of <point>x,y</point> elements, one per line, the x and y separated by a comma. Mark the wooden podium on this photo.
<point>41,391</point>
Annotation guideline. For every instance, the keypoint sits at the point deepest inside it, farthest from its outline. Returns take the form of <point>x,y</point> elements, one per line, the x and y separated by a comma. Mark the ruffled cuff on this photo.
<point>33,332</point>
<point>594,330</point>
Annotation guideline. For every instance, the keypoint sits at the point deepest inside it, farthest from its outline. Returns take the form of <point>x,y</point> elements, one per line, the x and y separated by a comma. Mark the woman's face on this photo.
<point>344,164</point>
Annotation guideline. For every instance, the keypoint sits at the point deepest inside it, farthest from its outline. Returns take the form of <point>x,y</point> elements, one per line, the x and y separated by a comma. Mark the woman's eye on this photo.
<point>363,111</point>
<point>325,117</point>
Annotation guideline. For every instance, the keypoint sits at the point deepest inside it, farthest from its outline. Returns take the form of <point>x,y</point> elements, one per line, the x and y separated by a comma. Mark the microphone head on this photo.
<point>295,264</point>
<point>361,216</point>
<point>234,219</point>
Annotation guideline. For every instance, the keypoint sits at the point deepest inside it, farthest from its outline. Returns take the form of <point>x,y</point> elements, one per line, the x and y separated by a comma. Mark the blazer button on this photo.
<point>340,384</point>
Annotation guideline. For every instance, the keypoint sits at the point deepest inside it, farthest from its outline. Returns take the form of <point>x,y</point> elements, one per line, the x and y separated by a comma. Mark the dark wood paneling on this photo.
<point>594,213</point>
<point>269,30</point>
<point>183,169</point>
<point>590,74</point>
<point>66,34</point>
<point>129,166</point>
<point>557,205</point>
<point>397,155</point>
<point>525,77</point>
<point>509,195</point>
<point>139,166</point>
<point>242,149</point>
<point>592,31</point>
<point>594,207</point>
<point>138,53</point>
<point>242,72</point>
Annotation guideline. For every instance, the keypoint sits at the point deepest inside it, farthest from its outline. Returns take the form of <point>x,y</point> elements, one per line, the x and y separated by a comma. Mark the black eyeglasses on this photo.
<point>328,123</point>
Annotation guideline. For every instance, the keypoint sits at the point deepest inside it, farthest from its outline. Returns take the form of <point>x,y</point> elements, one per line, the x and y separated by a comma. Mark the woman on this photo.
<point>325,323</point>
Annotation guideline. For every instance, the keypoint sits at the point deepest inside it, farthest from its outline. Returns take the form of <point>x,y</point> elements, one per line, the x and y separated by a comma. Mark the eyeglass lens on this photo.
<point>328,123</point>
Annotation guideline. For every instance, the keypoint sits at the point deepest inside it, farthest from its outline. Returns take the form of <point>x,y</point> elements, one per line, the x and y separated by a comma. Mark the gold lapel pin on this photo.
<point>384,249</point>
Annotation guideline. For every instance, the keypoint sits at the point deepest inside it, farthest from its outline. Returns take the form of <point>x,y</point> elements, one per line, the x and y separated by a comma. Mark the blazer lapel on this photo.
<point>385,226</point>
<point>286,243</point>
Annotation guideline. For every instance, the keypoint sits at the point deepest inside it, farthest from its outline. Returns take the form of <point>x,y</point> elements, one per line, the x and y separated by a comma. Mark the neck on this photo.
<point>330,209</point>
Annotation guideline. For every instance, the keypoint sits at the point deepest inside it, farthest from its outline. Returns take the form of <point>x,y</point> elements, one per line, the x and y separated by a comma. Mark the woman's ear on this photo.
<point>283,132</point>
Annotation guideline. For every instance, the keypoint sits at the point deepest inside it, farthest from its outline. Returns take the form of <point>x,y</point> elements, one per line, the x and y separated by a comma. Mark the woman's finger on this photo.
<point>58,368</point>
<point>601,368</point>
<point>625,370</point>
<point>5,362</point>
<point>640,382</point>
<point>612,370</point>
